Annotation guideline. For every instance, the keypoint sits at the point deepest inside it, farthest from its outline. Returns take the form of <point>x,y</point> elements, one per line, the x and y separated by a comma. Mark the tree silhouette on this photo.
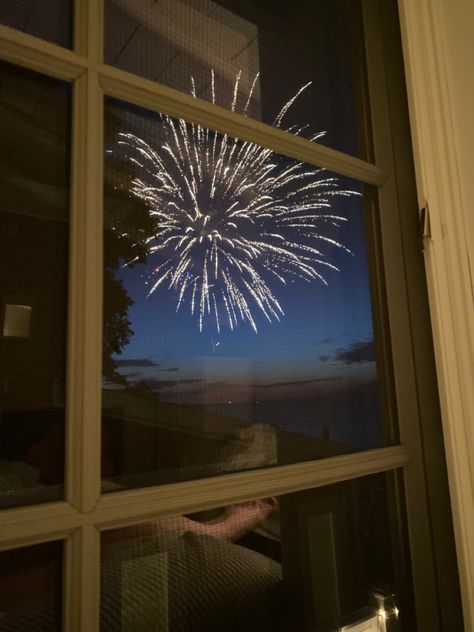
<point>127,225</point>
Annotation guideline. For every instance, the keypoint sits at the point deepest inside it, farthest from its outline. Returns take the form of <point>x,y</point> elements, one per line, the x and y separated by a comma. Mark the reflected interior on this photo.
<point>34,240</point>
<point>318,560</point>
<point>223,50</point>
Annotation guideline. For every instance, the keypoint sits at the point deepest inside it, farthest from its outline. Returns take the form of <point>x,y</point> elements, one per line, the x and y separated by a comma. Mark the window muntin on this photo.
<point>34,217</point>
<point>225,51</point>
<point>50,20</point>
<point>259,353</point>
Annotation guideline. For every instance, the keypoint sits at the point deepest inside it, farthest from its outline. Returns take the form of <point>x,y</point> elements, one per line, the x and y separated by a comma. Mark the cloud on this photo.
<point>136,362</point>
<point>325,341</point>
<point>157,385</point>
<point>356,353</point>
<point>143,363</point>
<point>299,382</point>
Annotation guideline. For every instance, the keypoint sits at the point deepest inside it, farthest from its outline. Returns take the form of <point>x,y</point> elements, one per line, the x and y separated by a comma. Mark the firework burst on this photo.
<point>234,221</point>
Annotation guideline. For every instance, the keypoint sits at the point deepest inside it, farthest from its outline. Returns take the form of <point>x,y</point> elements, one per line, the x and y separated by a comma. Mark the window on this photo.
<point>244,414</point>
<point>266,338</point>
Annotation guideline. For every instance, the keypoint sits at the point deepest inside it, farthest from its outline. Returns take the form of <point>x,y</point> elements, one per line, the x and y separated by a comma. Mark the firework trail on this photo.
<point>233,219</point>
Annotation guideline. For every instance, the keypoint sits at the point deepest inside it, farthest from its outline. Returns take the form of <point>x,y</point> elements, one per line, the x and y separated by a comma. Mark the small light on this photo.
<point>396,612</point>
<point>17,321</point>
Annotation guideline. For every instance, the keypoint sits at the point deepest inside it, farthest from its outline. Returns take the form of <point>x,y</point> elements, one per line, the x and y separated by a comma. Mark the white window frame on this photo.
<point>84,513</point>
<point>433,93</point>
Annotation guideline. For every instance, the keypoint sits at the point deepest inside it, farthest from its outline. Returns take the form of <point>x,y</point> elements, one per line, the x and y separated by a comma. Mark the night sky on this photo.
<point>322,349</point>
<point>321,327</point>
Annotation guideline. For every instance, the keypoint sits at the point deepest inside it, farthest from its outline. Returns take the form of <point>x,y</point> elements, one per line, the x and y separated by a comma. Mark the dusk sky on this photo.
<point>324,341</point>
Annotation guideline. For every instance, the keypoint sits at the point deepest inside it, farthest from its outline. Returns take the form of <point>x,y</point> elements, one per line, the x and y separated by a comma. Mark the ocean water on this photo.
<point>351,420</point>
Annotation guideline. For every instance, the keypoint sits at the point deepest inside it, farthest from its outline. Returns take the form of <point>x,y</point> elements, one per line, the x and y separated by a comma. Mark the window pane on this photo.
<point>237,318</point>
<point>316,560</point>
<point>30,588</point>
<point>48,19</point>
<point>232,49</point>
<point>34,227</point>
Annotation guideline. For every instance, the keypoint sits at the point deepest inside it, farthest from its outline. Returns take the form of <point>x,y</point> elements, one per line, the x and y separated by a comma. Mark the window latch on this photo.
<point>425,225</point>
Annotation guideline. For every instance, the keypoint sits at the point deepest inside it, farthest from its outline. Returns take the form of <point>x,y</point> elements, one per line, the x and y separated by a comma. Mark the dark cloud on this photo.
<point>356,353</point>
<point>136,362</point>
<point>300,382</point>
<point>324,358</point>
<point>156,384</point>
<point>170,370</point>
<point>325,341</point>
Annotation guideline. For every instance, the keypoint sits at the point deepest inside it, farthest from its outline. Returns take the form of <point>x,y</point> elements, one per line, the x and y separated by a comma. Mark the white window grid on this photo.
<point>79,519</point>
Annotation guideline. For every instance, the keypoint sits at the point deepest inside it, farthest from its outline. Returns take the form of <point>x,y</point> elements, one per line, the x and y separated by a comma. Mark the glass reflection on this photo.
<point>50,20</point>
<point>237,316</point>
<point>30,588</point>
<point>34,232</point>
<point>226,50</point>
<point>320,560</point>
